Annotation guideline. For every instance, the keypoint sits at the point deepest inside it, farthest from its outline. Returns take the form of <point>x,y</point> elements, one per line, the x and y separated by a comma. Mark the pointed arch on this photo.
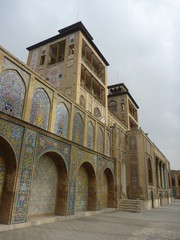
<point>8,168</point>
<point>61,120</point>
<point>90,135</point>
<point>49,186</point>
<point>100,140</point>
<point>112,106</point>
<point>12,93</point>
<point>82,101</point>
<point>86,188</point>
<point>40,108</point>
<point>77,134</point>
<point>107,188</point>
<point>97,112</point>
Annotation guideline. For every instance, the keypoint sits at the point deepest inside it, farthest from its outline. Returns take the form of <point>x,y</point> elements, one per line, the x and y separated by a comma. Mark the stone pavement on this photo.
<point>159,223</point>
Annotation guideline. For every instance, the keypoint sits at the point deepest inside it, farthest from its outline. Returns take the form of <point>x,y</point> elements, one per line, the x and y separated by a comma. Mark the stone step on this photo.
<point>130,205</point>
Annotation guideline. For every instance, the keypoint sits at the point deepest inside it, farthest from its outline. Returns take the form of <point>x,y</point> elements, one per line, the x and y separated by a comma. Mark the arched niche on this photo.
<point>8,168</point>
<point>85,188</point>
<point>49,190</point>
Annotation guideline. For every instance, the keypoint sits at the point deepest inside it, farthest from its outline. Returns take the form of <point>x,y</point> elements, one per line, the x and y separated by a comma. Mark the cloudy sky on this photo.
<point>139,38</point>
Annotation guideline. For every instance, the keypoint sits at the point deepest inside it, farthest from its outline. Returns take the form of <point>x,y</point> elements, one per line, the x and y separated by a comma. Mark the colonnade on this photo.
<point>161,174</point>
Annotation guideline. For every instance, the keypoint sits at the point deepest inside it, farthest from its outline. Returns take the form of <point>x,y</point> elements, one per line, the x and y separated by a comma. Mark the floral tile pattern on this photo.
<point>12,93</point>
<point>40,109</point>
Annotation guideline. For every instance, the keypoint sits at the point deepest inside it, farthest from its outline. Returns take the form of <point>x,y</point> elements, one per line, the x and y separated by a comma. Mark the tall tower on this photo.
<point>72,63</point>
<point>123,106</point>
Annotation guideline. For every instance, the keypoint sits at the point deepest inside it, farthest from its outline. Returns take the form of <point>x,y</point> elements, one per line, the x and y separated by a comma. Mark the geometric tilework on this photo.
<point>12,93</point>
<point>82,185</point>
<point>90,135</point>
<point>72,186</point>
<point>43,190</point>
<point>77,134</point>
<point>47,144</point>
<point>61,120</point>
<point>20,212</point>
<point>40,109</point>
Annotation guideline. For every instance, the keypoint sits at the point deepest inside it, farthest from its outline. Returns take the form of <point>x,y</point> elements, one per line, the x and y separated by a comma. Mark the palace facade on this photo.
<point>175,179</point>
<point>68,142</point>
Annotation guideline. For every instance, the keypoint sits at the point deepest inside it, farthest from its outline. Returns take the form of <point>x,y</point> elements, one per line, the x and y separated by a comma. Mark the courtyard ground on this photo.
<point>159,223</point>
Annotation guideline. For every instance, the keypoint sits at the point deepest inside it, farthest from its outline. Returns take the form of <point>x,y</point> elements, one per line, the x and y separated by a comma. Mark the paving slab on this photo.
<point>159,223</point>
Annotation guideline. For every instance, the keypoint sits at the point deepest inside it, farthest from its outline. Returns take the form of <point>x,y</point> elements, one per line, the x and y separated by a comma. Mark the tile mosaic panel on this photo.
<point>78,157</point>
<point>132,143</point>
<point>97,112</point>
<point>46,144</point>
<point>7,64</point>
<point>82,185</point>
<point>66,103</point>
<point>90,135</point>
<point>54,75</point>
<point>61,120</point>
<point>49,92</point>
<point>106,163</point>
<point>21,206</point>
<point>108,144</point>
<point>76,110</point>
<point>43,190</point>
<point>34,59</point>
<point>72,185</point>
<point>99,174</point>
<point>12,93</point>
<point>100,140</point>
<point>2,175</point>
<point>13,134</point>
<point>77,134</point>
<point>134,189</point>
<point>83,156</point>
<point>104,191</point>
<point>40,109</point>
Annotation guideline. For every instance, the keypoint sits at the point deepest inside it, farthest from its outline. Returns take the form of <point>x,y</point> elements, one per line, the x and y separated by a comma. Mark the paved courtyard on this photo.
<point>159,223</point>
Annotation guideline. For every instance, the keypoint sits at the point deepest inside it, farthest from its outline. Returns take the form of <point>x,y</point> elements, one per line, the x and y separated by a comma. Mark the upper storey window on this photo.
<point>56,52</point>
<point>92,62</point>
